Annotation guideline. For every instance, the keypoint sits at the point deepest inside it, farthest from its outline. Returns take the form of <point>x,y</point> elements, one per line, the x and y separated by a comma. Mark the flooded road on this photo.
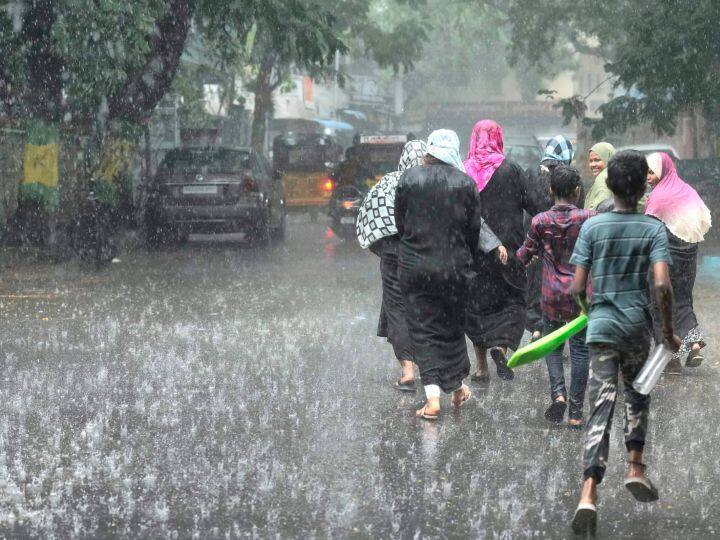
<point>214,390</point>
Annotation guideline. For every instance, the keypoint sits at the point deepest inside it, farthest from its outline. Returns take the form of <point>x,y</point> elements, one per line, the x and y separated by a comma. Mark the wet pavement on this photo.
<point>216,390</point>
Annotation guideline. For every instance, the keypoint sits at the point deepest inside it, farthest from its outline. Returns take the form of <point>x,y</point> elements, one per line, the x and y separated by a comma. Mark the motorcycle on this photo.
<point>344,206</point>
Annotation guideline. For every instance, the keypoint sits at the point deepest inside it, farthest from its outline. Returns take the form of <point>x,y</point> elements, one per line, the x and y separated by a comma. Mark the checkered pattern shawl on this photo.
<point>559,149</point>
<point>376,218</point>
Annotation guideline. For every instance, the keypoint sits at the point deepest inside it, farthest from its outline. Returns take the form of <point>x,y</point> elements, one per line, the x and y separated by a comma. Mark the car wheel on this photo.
<point>261,235</point>
<point>278,233</point>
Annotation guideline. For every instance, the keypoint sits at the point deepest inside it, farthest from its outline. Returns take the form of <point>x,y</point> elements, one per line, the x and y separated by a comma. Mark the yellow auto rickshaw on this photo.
<point>305,160</point>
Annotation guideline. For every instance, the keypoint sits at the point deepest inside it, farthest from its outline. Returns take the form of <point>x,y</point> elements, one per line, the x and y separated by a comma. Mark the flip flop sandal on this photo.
<point>694,359</point>
<point>503,371</point>
<point>425,416</point>
<point>468,395</point>
<point>480,379</point>
<point>577,427</point>
<point>556,411</point>
<point>585,520</point>
<point>641,487</point>
<point>404,386</point>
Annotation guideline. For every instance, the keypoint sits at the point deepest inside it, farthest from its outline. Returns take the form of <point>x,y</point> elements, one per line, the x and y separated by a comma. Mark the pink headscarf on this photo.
<point>486,152</point>
<point>675,203</point>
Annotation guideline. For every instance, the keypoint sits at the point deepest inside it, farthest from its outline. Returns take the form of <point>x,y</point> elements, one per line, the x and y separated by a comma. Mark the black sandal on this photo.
<point>641,487</point>
<point>556,411</point>
<point>404,386</point>
<point>503,371</point>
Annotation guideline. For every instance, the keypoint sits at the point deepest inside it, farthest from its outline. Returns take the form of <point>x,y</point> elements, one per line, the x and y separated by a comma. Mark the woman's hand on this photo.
<point>502,254</point>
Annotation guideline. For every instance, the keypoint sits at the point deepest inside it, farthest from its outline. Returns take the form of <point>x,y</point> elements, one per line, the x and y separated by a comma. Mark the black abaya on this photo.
<point>497,309</point>
<point>392,324</point>
<point>682,277</point>
<point>437,213</point>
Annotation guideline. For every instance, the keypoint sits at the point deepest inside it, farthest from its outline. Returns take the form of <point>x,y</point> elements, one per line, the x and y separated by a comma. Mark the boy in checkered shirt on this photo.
<point>551,238</point>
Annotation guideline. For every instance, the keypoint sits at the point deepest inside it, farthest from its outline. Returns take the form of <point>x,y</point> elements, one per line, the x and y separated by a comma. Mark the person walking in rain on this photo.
<point>551,238</point>
<point>376,230</point>
<point>620,249</point>
<point>437,214</point>
<point>687,220</point>
<point>558,151</point>
<point>497,310</point>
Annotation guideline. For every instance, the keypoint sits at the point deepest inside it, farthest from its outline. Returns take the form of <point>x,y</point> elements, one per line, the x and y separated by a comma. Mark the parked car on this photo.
<point>526,155</point>
<point>647,149</point>
<point>208,190</point>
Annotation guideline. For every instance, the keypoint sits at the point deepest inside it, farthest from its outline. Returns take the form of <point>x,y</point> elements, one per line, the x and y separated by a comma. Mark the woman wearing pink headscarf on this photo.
<point>687,220</point>
<point>497,310</point>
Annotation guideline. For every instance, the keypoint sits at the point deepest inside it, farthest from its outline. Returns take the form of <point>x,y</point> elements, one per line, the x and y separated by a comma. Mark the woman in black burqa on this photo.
<point>376,230</point>
<point>437,214</point>
<point>497,309</point>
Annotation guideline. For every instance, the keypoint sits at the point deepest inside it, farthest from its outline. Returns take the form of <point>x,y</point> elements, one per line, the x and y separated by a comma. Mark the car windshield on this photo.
<point>381,159</point>
<point>206,161</point>
<point>306,157</point>
<point>524,155</point>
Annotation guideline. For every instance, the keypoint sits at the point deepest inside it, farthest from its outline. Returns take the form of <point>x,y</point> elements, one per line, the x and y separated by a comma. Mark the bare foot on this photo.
<point>459,397</point>
<point>408,372</point>
<point>431,410</point>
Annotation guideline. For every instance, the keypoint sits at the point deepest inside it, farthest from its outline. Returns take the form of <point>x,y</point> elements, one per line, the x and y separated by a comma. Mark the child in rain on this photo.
<point>619,249</point>
<point>551,238</point>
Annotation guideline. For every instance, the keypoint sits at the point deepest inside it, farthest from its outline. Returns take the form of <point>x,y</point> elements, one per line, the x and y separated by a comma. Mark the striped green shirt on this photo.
<point>619,250</point>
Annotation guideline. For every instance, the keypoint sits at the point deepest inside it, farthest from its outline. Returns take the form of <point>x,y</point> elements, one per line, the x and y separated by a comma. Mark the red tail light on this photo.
<point>328,185</point>
<point>249,185</point>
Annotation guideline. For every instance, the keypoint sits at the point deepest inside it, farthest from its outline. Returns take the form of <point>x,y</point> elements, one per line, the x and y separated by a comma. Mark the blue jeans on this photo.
<point>579,367</point>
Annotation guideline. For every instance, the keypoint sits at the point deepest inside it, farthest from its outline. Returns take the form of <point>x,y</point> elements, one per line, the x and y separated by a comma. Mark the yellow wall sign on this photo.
<point>40,165</point>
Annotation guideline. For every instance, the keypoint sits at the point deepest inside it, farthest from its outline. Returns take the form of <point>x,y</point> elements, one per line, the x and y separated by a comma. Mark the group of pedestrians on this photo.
<point>483,249</point>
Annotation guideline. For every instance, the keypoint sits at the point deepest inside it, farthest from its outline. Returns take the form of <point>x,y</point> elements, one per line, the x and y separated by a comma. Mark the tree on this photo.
<point>307,34</point>
<point>91,63</point>
<point>268,38</point>
<point>663,55</point>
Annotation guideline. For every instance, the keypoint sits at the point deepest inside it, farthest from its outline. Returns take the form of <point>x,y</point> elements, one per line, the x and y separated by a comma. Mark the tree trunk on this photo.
<point>146,86</point>
<point>39,196</point>
<point>110,175</point>
<point>263,103</point>
<point>136,101</point>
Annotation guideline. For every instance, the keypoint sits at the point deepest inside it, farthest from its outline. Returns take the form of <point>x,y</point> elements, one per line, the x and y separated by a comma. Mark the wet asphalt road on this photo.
<point>216,390</point>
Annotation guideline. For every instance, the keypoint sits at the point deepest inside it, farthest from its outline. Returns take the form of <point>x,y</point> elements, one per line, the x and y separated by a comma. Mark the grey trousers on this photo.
<point>606,362</point>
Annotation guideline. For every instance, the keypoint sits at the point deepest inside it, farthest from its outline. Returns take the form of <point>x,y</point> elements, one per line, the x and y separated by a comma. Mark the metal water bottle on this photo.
<point>653,368</point>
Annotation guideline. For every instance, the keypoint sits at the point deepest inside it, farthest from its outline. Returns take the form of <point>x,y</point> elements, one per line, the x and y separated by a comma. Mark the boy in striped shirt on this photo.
<point>619,249</point>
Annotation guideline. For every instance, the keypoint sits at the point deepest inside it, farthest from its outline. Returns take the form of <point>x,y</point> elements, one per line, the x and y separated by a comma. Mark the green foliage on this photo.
<point>466,55</point>
<point>664,53</point>
<point>100,42</point>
